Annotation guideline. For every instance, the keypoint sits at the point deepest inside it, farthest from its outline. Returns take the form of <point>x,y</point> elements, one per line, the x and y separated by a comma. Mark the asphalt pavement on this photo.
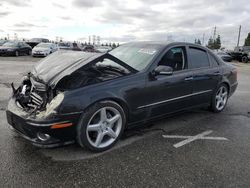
<point>193,149</point>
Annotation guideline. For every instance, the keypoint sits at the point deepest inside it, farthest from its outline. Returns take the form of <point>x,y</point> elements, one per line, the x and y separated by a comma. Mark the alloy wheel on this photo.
<point>221,98</point>
<point>104,127</point>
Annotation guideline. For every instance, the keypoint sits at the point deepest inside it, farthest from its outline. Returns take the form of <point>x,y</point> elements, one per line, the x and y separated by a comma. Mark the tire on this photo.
<point>17,53</point>
<point>220,98</point>
<point>101,126</point>
<point>244,59</point>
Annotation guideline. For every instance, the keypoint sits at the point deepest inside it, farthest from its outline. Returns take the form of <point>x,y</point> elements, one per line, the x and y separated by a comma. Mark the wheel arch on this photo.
<point>119,101</point>
<point>227,84</point>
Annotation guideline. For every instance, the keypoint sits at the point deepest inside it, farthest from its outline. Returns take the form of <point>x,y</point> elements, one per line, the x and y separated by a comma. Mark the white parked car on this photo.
<point>103,49</point>
<point>44,49</point>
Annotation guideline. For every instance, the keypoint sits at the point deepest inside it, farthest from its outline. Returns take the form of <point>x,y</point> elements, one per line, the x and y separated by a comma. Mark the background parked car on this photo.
<point>35,41</point>
<point>103,49</point>
<point>224,56</point>
<point>44,49</point>
<point>2,42</point>
<point>241,53</point>
<point>15,48</point>
<point>88,48</point>
<point>65,45</point>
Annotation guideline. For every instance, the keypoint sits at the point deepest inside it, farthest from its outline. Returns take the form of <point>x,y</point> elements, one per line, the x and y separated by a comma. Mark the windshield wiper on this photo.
<point>113,68</point>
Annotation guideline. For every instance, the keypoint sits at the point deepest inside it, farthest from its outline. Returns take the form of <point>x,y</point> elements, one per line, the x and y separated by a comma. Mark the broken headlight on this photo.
<point>52,106</point>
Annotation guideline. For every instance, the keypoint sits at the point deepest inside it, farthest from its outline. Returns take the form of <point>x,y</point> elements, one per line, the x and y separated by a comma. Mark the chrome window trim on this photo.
<point>173,99</point>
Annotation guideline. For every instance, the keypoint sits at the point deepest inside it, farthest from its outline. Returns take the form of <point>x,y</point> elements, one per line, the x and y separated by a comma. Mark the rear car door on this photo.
<point>206,74</point>
<point>22,47</point>
<point>167,94</point>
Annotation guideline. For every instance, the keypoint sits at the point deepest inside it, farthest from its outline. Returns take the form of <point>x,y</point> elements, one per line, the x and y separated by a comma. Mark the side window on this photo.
<point>198,58</point>
<point>176,58</point>
<point>213,61</point>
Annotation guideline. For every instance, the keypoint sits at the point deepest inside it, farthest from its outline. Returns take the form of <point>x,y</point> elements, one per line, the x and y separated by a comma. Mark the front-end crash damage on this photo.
<point>38,100</point>
<point>34,107</point>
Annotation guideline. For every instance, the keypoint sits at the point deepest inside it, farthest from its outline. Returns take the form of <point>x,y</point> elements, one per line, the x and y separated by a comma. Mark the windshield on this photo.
<point>137,56</point>
<point>44,45</point>
<point>2,42</point>
<point>10,44</point>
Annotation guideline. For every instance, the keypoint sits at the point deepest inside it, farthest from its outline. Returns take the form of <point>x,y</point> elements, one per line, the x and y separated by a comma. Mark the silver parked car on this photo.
<point>44,49</point>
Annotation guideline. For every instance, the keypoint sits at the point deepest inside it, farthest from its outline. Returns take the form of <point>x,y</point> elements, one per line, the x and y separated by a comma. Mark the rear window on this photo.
<point>198,58</point>
<point>213,61</point>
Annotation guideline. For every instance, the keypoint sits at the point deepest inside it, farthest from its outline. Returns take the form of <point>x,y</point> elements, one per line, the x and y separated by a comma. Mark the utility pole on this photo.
<point>239,36</point>
<point>214,33</point>
<point>203,38</point>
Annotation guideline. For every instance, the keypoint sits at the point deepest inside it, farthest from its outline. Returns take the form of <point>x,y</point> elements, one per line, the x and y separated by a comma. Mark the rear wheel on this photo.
<point>101,126</point>
<point>16,53</point>
<point>244,59</point>
<point>220,98</point>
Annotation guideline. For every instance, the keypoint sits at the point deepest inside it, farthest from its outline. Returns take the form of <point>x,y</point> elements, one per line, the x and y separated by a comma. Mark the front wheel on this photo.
<point>220,97</point>
<point>101,126</point>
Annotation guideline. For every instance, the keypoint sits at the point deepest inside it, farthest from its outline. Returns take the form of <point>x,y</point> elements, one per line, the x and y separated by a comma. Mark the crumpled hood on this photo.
<point>53,68</point>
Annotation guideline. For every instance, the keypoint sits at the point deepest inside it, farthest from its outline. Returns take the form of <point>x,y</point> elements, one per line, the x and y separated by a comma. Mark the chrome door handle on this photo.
<point>189,78</point>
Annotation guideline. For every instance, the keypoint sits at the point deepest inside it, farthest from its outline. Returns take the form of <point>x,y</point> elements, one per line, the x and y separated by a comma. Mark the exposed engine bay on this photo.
<point>34,96</point>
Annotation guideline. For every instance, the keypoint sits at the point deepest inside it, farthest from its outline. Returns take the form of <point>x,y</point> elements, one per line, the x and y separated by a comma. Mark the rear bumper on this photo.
<point>233,88</point>
<point>30,129</point>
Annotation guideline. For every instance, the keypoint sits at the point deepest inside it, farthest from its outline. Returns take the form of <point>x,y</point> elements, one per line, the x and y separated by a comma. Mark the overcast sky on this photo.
<point>123,21</point>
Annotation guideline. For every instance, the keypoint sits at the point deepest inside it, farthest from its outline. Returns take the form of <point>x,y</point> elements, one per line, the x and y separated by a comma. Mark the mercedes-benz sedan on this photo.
<point>91,98</point>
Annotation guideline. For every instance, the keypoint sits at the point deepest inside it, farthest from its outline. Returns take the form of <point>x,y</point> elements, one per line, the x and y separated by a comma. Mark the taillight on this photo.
<point>235,72</point>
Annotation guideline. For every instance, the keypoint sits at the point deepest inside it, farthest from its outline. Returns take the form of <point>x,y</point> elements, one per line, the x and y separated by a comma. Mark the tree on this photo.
<point>214,44</point>
<point>217,42</point>
<point>247,40</point>
<point>210,43</point>
<point>113,45</point>
<point>197,41</point>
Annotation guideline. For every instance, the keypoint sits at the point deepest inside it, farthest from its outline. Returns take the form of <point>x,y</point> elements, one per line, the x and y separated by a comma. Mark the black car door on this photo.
<point>206,74</point>
<point>21,48</point>
<point>170,93</point>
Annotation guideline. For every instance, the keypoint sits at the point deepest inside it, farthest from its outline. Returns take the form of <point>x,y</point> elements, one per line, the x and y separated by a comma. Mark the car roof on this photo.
<point>162,44</point>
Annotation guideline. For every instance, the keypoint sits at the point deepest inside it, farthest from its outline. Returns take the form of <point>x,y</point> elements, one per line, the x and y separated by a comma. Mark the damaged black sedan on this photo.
<point>92,97</point>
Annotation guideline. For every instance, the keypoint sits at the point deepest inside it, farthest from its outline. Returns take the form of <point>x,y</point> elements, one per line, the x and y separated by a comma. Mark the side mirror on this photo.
<point>163,70</point>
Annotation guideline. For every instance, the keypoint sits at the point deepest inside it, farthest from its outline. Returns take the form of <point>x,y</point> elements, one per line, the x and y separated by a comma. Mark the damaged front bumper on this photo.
<point>43,133</point>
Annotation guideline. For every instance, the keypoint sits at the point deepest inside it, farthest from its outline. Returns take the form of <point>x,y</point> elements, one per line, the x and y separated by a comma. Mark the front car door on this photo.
<point>167,94</point>
<point>206,74</point>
